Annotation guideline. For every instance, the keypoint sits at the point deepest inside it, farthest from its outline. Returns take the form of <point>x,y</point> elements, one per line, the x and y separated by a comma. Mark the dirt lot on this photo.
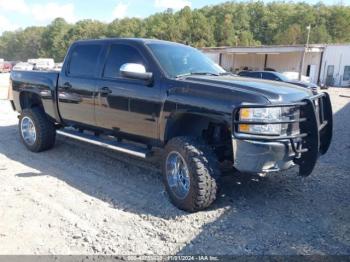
<point>79,199</point>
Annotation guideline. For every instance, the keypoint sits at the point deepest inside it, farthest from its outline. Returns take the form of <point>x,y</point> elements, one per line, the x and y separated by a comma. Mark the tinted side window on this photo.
<point>250,74</point>
<point>119,55</point>
<point>243,73</point>
<point>84,60</point>
<point>270,76</point>
<point>254,74</point>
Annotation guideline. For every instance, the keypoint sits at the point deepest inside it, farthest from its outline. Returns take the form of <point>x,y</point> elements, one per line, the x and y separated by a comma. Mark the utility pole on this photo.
<point>305,50</point>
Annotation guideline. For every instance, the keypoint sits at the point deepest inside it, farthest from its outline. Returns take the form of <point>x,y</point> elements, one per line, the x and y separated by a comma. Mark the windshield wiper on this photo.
<point>198,74</point>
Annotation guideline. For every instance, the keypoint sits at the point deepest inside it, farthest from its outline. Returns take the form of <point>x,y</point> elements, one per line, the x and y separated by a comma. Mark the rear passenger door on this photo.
<point>127,106</point>
<point>77,84</point>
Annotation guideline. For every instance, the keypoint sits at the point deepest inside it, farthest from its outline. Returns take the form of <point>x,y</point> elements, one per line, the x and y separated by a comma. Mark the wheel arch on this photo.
<point>191,124</point>
<point>28,99</point>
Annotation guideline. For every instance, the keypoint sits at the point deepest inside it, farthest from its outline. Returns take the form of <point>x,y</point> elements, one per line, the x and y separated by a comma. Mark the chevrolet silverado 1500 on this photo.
<point>134,95</point>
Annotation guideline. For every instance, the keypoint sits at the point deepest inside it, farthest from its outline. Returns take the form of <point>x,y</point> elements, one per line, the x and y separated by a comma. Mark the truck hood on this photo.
<point>303,83</point>
<point>273,91</point>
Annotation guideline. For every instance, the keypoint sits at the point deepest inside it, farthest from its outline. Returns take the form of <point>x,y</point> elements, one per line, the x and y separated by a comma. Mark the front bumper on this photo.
<point>267,153</point>
<point>262,157</point>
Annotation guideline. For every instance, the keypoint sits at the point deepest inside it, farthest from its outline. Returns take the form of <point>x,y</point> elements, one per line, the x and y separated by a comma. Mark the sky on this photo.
<point>15,14</point>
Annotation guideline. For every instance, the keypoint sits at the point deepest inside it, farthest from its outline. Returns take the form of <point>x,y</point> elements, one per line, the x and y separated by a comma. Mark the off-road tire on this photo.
<point>203,170</point>
<point>45,130</point>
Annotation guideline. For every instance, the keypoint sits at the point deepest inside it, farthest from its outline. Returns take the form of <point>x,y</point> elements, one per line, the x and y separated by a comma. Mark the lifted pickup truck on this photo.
<point>132,95</point>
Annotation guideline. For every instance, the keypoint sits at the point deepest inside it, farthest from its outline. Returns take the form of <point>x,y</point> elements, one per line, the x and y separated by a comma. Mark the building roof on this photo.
<point>265,49</point>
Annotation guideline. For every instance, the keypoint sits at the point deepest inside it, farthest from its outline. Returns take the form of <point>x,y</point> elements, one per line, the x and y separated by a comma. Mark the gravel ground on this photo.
<point>80,199</point>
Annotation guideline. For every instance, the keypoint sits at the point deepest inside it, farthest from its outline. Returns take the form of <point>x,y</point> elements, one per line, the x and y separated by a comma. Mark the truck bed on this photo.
<point>40,79</point>
<point>42,83</point>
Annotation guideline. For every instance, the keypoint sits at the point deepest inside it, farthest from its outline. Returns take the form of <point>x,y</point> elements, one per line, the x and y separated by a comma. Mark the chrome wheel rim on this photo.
<point>28,131</point>
<point>178,175</point>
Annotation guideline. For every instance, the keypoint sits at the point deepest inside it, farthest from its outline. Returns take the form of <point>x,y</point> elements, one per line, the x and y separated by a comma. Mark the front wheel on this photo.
<point>190,173</point>
<point>37,132</point>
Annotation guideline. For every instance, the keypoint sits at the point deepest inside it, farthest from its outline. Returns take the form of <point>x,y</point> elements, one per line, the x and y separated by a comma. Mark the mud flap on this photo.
<point>308,159</point>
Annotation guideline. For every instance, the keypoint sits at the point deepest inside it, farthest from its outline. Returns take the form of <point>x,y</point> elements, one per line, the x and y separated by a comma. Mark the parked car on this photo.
<point>295,76</point>
<point>23,66</point>
<point>5,67</point>
<point>13,63</point>
<point>276,76</point>
<point>58,67</point>
<point>145,94</point>
<point>43,65</point>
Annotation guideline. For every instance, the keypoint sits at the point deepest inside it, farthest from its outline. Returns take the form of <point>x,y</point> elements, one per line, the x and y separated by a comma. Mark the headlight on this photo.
<point>271,114</point>
<point>268,115</point>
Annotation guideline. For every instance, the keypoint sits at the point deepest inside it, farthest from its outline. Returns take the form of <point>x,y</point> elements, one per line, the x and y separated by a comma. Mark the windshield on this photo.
<point>180,60</point>
<point>282,77</point>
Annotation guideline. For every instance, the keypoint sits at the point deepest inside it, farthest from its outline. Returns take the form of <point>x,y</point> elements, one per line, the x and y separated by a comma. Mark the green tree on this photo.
<point>228,24</point>
<point>293,35</point>
<point>162,26</point>
<point>127,27</point>
<point>11,45</point>
<point>184,21</point>
<point>86,29</point>
<point>53,39</point>
<point>319,34</point>
<point>338,24</point>
<point>202,32</point>
<point>31,42</point>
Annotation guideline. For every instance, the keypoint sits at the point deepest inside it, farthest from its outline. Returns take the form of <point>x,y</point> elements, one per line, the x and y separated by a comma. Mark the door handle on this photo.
<point>105,90</point>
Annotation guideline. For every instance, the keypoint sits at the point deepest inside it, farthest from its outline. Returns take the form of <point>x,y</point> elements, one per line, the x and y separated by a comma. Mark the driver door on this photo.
<point>126,106</point>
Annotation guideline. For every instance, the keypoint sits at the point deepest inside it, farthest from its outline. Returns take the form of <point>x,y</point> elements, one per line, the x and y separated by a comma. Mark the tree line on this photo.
<point>227,24</point>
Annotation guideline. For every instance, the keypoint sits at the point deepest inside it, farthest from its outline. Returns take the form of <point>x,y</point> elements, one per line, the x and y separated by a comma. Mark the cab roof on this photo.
<point>135,40</point>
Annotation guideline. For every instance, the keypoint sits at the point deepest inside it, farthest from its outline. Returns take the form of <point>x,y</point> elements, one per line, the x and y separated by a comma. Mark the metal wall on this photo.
<point>339,57</point>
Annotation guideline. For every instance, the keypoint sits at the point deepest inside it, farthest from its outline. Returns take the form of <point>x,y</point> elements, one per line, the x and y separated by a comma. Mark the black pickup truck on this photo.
<point>134,95</point>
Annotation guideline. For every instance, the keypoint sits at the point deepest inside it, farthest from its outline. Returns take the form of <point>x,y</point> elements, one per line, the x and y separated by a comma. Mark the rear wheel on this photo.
<point>190,173</point>
<point>37,132</point>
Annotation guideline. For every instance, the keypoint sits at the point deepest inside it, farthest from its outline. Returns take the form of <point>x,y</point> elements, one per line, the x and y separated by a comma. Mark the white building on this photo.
<point>323,64</point>
<point>335,68</point>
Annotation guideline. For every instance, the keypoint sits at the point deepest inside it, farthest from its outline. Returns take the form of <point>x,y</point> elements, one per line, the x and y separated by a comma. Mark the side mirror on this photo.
<point>135,71</point>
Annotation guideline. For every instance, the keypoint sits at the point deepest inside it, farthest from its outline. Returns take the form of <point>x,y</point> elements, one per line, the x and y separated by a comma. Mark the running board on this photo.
<point>114,145</point>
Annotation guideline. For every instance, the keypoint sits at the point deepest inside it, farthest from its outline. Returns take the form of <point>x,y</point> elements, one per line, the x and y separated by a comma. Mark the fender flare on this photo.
<point>190,123</point>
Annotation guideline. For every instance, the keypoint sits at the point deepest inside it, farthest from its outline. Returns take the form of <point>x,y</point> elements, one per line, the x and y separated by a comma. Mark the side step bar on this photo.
<point>114,145</point>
